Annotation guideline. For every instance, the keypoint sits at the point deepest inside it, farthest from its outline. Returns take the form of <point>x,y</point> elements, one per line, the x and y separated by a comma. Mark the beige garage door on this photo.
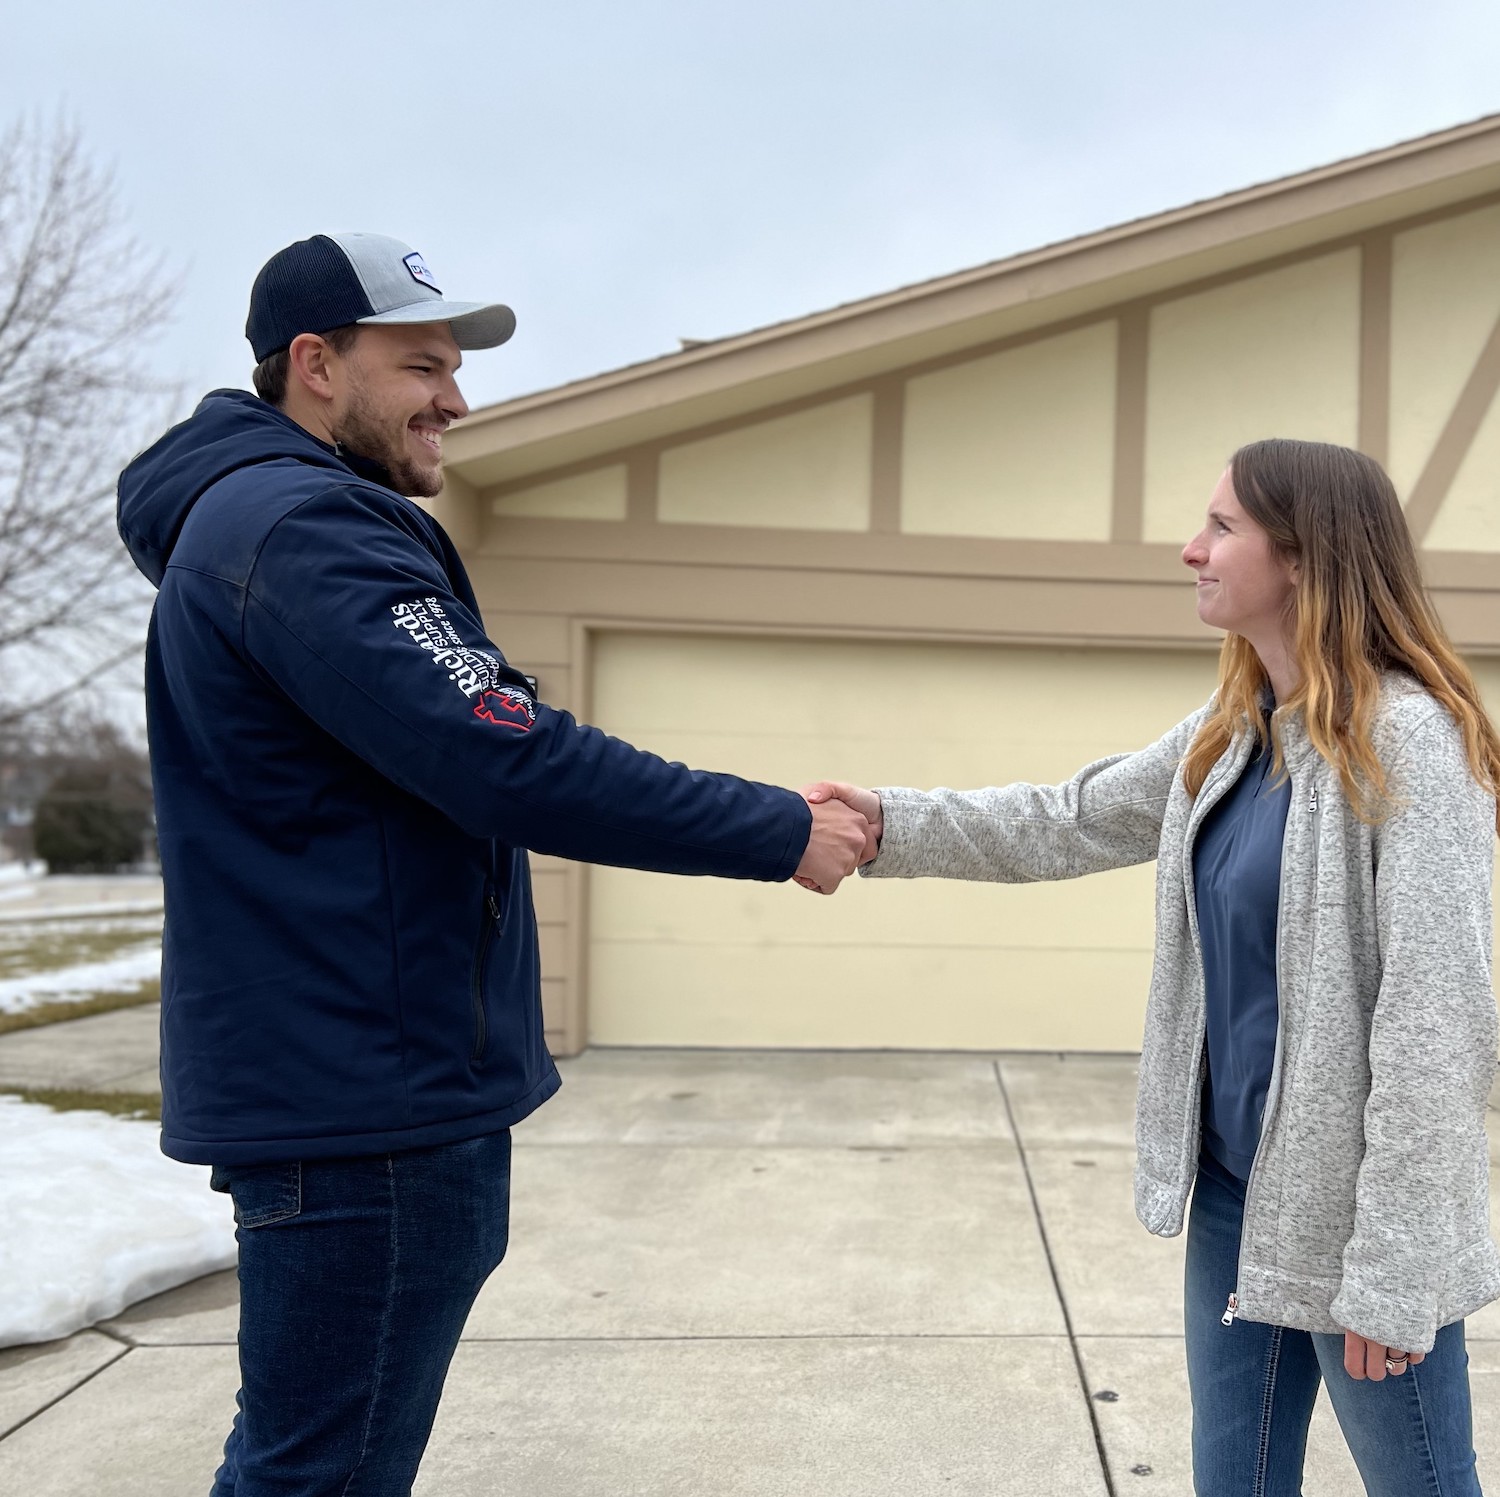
<point>922,964</point>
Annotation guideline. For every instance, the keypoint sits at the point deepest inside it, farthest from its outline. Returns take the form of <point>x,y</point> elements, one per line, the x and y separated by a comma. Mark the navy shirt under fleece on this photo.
<point>1237,876</point>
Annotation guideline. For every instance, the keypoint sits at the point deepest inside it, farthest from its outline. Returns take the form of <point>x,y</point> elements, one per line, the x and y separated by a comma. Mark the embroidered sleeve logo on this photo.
<point>476,673</point>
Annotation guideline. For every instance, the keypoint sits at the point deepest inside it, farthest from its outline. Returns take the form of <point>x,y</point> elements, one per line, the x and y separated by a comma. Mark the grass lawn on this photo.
<point>79,1008</point>
<point>37,946</point>
<point>29,946</point>
<point>145,1105</point>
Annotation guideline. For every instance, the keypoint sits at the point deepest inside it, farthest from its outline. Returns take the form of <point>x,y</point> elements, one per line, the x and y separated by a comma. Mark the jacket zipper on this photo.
<point>1273,1091</point>
<point>476,983</point>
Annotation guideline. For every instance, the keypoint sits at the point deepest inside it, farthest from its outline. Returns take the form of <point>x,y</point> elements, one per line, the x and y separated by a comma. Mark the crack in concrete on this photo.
<point>1062,1300</point>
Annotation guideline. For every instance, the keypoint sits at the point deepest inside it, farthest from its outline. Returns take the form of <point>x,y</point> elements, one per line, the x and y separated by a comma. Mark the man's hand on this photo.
<point>845,807</point>
<point>866,802</point>
<point>1364,1358</point>
<point>841,840</point>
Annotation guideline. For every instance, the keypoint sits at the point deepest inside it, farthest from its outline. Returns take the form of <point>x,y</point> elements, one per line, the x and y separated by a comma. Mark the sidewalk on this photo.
<point>26,896</point>
<point>740,1275</point>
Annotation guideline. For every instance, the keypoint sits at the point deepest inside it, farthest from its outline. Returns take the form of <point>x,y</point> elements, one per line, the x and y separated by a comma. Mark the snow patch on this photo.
<point>102,908</point>
<point>96,1218</point>
<point>69,984</point>
<point>16,881</point>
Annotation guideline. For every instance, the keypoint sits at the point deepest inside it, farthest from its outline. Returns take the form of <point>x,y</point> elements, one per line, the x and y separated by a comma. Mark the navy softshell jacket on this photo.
<point>347,773</point>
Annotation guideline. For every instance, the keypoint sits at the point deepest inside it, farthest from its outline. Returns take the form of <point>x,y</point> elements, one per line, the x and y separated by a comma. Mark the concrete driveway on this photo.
<point>747,1275</point>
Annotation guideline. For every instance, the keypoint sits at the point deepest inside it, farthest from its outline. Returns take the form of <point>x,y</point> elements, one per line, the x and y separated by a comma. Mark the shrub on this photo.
<point>84,824</point>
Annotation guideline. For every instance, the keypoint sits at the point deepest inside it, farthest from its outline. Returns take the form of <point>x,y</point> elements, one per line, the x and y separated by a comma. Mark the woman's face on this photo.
<point>1243,586</point>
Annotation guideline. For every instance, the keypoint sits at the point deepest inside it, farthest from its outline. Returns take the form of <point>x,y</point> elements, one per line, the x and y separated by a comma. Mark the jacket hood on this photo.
<point>231,429</point>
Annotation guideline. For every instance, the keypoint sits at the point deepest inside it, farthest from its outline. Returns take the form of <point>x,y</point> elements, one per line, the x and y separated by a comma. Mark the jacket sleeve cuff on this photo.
<point>900,811</point>
<point>1403,1323</point>
<point>1378,1301</point>
<point>796,842</point>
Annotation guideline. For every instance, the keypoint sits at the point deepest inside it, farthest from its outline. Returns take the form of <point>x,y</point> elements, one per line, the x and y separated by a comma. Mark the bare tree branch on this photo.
<point>78,299</point>
<point>12,719</point>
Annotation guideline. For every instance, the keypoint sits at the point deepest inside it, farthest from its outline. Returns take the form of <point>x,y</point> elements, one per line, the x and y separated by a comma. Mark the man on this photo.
<point>348,773</point>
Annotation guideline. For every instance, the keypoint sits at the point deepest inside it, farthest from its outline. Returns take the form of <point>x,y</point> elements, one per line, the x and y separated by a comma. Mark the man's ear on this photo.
<point>310,362</point>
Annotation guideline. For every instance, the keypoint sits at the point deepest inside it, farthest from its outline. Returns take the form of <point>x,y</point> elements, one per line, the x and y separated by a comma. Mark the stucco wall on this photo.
<point>809,470</point>
<point>1017,444</point>
<point>598,494</point>
<point>1276,355</point>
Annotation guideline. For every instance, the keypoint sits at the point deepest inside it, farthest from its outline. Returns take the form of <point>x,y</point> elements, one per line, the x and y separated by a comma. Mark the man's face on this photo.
<point>394,396</point>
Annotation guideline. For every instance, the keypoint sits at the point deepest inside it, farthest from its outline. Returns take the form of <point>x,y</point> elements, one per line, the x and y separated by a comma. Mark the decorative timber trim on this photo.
<point>642,479</point>
<point>1457,436</point>
<point>1374,353</point>
<point>888,422</point>
<point>1127,518</point>
<point>1375,345</point>
<point>467,511</point>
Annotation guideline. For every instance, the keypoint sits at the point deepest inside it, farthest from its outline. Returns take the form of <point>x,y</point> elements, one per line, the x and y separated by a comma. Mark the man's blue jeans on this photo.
<point>356,1277</point>
<point>1254,1385</point>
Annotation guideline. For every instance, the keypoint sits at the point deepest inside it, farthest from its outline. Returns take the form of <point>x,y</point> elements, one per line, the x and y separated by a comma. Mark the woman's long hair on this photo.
<point>1359,609</point>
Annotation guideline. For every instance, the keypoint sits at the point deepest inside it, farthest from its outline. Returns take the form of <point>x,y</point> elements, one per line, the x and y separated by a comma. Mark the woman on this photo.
<point>1321,1032</point>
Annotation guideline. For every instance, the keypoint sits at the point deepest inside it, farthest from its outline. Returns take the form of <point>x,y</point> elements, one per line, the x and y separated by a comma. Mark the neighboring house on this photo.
<point>932,538</point>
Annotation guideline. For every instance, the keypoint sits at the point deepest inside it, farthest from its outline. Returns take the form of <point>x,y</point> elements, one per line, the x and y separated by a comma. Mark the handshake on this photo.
<point>846,831</point>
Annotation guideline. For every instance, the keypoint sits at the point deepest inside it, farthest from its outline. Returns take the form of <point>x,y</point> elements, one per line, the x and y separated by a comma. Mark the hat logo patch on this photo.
<point>419,271</point>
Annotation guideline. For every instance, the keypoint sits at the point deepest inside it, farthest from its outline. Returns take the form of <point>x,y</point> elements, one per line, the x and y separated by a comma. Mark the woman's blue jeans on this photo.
<point>1254,1385</point>
<point>356,1277</point>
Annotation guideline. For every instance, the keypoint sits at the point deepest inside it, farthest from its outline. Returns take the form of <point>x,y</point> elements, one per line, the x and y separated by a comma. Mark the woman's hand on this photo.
<point>1364,1358</point>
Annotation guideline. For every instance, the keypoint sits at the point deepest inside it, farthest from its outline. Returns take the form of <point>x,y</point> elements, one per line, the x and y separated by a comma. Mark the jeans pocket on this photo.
<point>262,1193</point>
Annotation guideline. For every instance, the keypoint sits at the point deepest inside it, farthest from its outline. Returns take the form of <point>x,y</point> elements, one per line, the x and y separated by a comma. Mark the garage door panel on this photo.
<point>960,764</point>
<point>911,963</point>
<point>912,997</point>
<point>1112,909</point>
<point>892,714</point>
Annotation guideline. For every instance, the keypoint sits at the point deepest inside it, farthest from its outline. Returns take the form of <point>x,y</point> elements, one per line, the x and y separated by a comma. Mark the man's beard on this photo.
<point>366,435</point>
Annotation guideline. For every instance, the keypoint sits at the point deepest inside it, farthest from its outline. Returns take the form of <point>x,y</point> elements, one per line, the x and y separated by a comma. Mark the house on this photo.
<point>933,537</point>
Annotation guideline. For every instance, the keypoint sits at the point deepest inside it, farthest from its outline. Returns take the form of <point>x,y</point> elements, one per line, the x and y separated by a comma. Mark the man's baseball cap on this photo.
<point>332,280</point>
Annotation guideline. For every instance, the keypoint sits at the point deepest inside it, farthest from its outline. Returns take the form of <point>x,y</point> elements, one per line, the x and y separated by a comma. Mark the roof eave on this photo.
<point>1027,277</point>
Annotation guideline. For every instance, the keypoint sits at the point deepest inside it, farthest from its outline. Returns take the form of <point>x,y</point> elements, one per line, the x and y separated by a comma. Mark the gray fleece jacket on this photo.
<point>1368,1206</point>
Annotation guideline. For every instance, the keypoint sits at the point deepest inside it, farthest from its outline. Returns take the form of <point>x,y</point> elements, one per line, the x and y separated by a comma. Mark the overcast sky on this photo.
<point>628,174</point>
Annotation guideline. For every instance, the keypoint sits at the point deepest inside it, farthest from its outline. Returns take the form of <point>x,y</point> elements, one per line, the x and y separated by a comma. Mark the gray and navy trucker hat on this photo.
<point>332,280</point>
